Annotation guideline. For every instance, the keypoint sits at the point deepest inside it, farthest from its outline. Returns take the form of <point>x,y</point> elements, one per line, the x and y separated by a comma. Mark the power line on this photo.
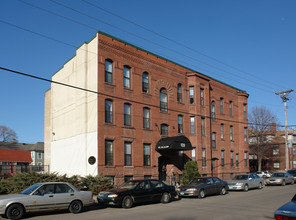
<point>172,40</point>
<point>130,33</point>
<point>119,98</point>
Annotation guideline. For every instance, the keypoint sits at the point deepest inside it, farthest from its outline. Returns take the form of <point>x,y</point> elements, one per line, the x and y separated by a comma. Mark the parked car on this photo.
<point>246,182</point>
<point>137,191</point>
<point>43,197</point>
<point>293,173</point>
<point>264,174</point>
<point>204,186</point>
<point>280,178</point>
<point>287,211</point>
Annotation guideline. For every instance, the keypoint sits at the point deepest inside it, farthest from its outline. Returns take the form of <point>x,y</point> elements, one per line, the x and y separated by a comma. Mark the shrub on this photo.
<point>190,171</point>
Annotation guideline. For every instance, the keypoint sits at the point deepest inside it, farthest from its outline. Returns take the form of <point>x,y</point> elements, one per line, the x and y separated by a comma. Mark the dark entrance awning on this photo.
<point>176,143</point>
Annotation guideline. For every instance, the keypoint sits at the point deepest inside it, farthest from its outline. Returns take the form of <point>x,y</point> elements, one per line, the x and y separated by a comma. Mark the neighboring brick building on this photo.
<point>275,155</point>
<point>141,98</point>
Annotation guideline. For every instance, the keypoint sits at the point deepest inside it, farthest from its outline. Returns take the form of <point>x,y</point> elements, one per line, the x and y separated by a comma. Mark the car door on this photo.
<point>217,184</point>
<point>142,192</point>
<point>63,195</point>
<point>157,189</point>
<point>42,199</point>
<point>210,186</point>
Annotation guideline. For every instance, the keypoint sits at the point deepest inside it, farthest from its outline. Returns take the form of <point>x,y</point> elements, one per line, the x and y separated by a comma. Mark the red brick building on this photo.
<point>141,99</point>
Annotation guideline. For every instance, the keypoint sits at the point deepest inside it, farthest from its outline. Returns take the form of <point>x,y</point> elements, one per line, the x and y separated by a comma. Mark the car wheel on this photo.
<point>260,186</point>
<point>283,183</point>
<point>201,194</point>
<point>127,202</point>
<point>165,198</point>
<point>75,207</point>
<point>223,191</point>
<point>246,187</point>
<point>15,211</point>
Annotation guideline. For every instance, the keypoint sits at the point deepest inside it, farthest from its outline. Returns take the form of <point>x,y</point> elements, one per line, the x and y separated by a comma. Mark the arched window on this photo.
<point>145,82</point>
<point>179,92</point>
<point>108,111</point>
<point>108,71</point>
<point>127,114</point>
<point>213,110</point>
<point>163,100</point>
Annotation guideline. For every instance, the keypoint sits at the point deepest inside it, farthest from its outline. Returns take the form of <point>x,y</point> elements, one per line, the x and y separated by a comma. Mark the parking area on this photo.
<point>254,204</point>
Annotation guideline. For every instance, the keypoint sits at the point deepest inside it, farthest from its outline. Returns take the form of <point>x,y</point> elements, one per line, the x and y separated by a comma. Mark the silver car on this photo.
<point>280,178</point>
<point>246,182</point>
<point>44,197</point>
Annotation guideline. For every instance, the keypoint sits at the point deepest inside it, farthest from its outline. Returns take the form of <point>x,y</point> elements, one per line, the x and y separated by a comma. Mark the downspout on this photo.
<point>210,109</point>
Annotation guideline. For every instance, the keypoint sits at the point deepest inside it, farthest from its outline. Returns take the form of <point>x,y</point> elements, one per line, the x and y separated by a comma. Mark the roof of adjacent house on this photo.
<point>39,146</point>
<point>15,156</point>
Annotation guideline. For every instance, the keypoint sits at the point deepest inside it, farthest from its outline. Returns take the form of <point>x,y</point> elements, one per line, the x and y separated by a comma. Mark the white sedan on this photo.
<point>43,197</point>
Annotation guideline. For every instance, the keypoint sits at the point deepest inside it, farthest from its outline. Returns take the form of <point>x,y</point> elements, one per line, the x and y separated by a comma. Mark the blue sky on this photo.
<point>250,45</point>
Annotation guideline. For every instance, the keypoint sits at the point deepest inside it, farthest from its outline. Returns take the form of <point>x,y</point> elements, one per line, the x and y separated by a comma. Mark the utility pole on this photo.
<point>285,98</point>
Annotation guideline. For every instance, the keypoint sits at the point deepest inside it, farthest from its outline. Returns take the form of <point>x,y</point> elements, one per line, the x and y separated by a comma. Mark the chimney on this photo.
<point>272,128</point>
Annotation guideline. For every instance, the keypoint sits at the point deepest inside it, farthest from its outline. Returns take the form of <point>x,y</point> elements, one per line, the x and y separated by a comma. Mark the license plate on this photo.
<point>230,187</point>
<point>181,193</point>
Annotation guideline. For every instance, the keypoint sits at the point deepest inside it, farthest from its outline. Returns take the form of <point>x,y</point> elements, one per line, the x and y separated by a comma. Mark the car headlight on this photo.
<point>192,189</point>
<point>239,184</point>
<point>112,196</point>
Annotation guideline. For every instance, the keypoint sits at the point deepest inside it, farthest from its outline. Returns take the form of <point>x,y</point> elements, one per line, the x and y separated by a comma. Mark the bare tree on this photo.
<point>261,120</point>
<point>7,134</point>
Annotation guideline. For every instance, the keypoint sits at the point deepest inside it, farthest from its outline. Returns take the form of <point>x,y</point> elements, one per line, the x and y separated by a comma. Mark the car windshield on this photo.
<point>240,177</point>
<point>198,181</point>
<point>293,172</point>
<point>30,189</point>
<point>278,175</point>
<point>129,185</point>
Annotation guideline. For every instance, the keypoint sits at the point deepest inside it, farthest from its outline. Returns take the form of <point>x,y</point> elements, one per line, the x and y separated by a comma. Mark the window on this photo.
<point>108,111</point>
<point>111,179</point>
<point>127,178</point>
<point>126,77</point>
<point>202,97</point>
<point>164,129</point>
<point>230,108</point>
<point>221,106</point>
<point>236,159</point>
<point>192,125</point>
<point>39,155</point>
<point>181,158</point>
<point>108,152</point>
<point>127,114</point>
<point>276,151</point>
<point>203,132</point>
<point>179,92</point>
<point>163,100</point>
<point>146,118</point>
<point>145,82</point>
<point>214,140</point>
<point>276,164</point>
<point>294,163</point>
<point>245,134</point>
<point>63,188</point>
<point>213,110</point>
<point>193,157</point>
<point>245,110</point>
<point>222,158</point>
<point>231,158</point>
<point>203,158</point>
<point>147,161</point>
<point>191,94</point>
<point>108,71</point>
<point>180,124</point>
<point>147,177</point>
<point>222,131</point>
<point>231,132</point>
<point>127,154</point>
<point>246,158</point>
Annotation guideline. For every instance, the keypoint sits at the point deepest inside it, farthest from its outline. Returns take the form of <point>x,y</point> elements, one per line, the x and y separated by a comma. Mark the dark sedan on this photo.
<point>137,191</point>
<point>204,186</point>
<point>287,211</point>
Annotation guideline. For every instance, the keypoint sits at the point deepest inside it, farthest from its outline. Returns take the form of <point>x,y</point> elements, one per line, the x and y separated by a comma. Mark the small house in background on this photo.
<point>21,157</point>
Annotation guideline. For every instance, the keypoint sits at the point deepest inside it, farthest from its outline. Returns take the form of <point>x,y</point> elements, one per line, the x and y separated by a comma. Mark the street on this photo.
<point>255,204</point>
